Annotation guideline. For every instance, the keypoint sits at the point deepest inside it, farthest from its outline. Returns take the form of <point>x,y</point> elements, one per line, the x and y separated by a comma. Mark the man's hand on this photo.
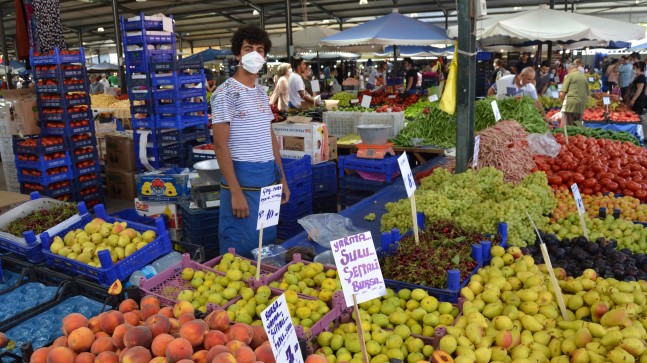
<point>239,205</point>
<point>286,193</point>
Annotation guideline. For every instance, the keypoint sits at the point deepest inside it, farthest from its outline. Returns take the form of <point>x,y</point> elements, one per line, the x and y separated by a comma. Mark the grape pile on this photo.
<point>343,98</point>
<point>478,200</point>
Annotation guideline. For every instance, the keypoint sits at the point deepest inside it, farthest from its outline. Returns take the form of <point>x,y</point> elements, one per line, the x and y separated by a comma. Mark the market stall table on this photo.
<point>373,204</point>
<point>422,153</point>
<point>634,129</point>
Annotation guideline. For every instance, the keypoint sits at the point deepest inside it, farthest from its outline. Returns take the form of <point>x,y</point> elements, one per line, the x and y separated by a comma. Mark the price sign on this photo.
<point>559,87</point>
<point>358,267</point>
<point>280,332</point>
<point>269,206</point>
<point>554,94</point>
<point>495,109</point>
<point>355,100</point>
<point>366,101</point>
<point>477,146</point>
<point>392,96</point>
<point>407,175</point>
<point>433,98</point>
<point>591,80</point>
<point>315,86</point>
<point>606,101</point>
<point>578,199</point>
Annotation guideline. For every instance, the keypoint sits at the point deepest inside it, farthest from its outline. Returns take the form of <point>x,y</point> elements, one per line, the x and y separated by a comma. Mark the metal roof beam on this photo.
<point>248,3</point>
<point>320,7</point>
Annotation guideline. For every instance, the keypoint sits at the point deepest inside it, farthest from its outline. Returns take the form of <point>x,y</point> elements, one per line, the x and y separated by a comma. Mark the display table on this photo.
<point>634,129</point>
<point>373,204</point>
<point>422,154</point>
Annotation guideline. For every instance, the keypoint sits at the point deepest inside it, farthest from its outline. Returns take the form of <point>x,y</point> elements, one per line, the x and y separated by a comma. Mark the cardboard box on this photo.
<point>332,148</point>
<point>155,209</point>
<point>25,117</point>
<point>120,152</point>
<point>296,140</point>
<point>163,185</point>
<point>120,184</point>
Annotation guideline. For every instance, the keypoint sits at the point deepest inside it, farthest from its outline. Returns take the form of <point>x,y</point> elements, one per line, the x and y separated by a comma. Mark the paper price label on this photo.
<point>366,101</point>
<point>578,199</point>
<point>358,268</point>
<point>591,80</point>
<point>280,332</point>
<point>495,109</point>
<point>606,101</point>
<point>559,87</point>
<point>407,175</point>
<point>433,98</point>
<point>354,100</point>
<point>315,86</point>
<point>477,146</point>
<point>269,206</point>
<point>554,94</point>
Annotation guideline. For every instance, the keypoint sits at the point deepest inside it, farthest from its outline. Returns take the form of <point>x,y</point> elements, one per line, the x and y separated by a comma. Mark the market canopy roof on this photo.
<point>417,51</point>
<point>103,66</point>
<point>307,39</point>
<point>391,29</point>
<point>209,55</point>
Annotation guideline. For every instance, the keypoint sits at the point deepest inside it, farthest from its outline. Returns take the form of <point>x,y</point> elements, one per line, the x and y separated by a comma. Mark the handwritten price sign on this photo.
<point>280,332</point>
<point>407,175</point>
<point>578,199</point>
<point>269,206</point>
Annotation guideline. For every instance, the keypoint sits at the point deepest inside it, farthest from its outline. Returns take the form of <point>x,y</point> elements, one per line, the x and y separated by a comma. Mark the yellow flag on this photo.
<point>448,99</point>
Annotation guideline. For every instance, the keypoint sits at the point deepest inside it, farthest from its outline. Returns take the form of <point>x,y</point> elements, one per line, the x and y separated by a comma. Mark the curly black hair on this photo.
<point>253,35</point>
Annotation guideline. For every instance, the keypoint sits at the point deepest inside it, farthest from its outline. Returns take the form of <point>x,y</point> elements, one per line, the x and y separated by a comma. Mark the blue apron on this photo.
<point>241,233</point>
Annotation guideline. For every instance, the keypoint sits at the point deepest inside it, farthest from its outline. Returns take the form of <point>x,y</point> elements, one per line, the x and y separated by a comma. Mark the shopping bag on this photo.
<point>448,100</point>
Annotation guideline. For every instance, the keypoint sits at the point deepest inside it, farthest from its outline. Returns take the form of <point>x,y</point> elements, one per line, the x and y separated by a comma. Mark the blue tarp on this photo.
<point>210,55</point>
<point>634,129</point>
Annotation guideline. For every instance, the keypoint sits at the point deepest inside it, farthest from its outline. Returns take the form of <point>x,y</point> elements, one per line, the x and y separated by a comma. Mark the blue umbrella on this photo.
<point>392,29</point>
<point>416,51</point>
<point>210,55</point>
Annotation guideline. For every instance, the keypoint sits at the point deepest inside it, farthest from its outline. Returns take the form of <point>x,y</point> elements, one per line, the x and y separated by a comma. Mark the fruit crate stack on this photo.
<point>200,227</point>
<point>62,162</point>
<point>298,174</point>
<point>360,178</point>
<point>168,97</point>
<point>324,187</point>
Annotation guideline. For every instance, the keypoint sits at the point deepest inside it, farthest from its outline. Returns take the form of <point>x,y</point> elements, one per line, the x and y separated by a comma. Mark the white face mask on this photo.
<point>252,62</point>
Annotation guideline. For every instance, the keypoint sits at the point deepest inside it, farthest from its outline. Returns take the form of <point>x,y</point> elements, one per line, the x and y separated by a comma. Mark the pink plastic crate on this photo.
<point>265,269</point>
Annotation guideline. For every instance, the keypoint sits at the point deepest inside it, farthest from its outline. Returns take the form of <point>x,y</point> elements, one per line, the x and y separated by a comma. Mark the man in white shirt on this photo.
<point>521,84</point>
<point>297,95</point>
<point>104,81</point>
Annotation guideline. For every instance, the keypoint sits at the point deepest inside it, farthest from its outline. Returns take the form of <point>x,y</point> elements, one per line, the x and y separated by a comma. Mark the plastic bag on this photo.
<point>544,144</point>
<point>326,227</point>
<point>271,255</point>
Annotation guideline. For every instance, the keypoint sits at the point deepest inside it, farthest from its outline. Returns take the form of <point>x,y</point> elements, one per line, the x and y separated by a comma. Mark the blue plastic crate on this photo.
<point>131,215</point>
<point>95,195</point>
<point>324,179</point>
<point>48,190</point>
<point>87,155</point>
<point>198,219</point>
<point>171,78</point>
<point>90,140</point>
<point>325,204</point>
<point>42,164</point>
<point>347,199</point>
<point>68,130</point>
<point>146,38</point>
<point>60,73</point>
<point>146,108</point>
<point>141,23</point>
<point>298,207</point>
<point>45,179</point>
<point>354,182</point>
<point>66,116</point>
<point>39,148</point>
<point>387,166</point>
<point>180,108</point>
<point>297,169</point>
<point>179,93</point>
<point>56,57</point>
<point>138,81</point>
<point>109,272</point>
<point>141,96</point>
<point>94,179</point>
<point>288,229</point>
<point>180,121</point>
<point>62,101</point>
<point>83,170</point>
<point>145,122</point>
<point>184,135</point>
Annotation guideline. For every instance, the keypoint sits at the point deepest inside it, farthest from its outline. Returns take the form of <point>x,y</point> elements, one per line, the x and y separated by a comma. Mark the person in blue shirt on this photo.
<point>624,75</point>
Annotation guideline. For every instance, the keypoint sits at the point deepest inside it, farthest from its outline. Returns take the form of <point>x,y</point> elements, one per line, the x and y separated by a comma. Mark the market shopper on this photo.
<point>245,144</point>
<point>96,88</point>
<point>612,73</point>
<point>624,75</point>
<point>113,80</point>
<point>298,97</point>
<point>637,96</point>
<point>371,81</point>
<point>523,63</point>
<point>411,76</point>
<point>104,81</point>
<point>542,78</point>
<point>574,93</point>
<point>280,95</point>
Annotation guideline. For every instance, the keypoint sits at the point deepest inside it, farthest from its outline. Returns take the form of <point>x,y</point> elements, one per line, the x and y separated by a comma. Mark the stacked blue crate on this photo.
<point>64,109</point>
<point>164,92</point>
<point>298,174</point>
<point>353,188</point>
<point>324,187</point>
<point>200,227</point>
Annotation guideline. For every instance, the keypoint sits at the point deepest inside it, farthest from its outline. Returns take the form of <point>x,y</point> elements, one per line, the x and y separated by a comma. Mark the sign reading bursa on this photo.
<point>280,332</point>
<point>358,268</point>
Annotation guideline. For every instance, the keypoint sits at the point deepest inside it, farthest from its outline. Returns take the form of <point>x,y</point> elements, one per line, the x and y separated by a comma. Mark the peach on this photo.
<point>40,355</point>
<point>185,361</point>
<point>81,339</point>
<point>260,336</point>
<point>218,320</point>
<point>135,355</point>
<point>60,355</point>
<point>73,321</point>
<point>109,320</point>
<point>241,332</point>
<point>264,354</point>
<point>158,347</point>
<point>60,342</point>
<point>233,345</point>
<point>245,355</point>
<point>194,331</point>
<point>316,358</point>
<point>213,352</point>
<point>158,360</point>
<point>128,305</point>
<point>167,311</point>
<point>224,358</point>
<point>132,318</point>
<point>93,324</point>
<point>118,335</point>
<point>101,334</point>
<point>103,344</point>
<point>213,338</point>
<point>149,310</point>
<point>158,324</point>
<point>84,357</point>
<point>178,349</point>
<point>138,336</point>
<point>175,326</point>
<point>149,299</point>
<point>185,318</point>
<point>200,356</point>
<point>107,357</point>
<point>183,307</point>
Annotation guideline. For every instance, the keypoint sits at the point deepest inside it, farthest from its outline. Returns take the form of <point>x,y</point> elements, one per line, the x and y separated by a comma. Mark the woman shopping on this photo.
<point>637,88</point>
<point>281,91</point>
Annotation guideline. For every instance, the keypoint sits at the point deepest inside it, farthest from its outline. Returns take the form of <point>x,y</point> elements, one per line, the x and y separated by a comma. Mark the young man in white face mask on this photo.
<point>245,145</point>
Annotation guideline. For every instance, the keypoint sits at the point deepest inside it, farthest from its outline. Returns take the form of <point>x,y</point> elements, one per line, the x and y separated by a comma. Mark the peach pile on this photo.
<point>149,333</point>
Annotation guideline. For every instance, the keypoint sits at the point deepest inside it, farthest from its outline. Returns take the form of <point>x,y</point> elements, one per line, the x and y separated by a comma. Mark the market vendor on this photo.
<point>245,145</point>
<point>574,93</point>
<point>521,84</point>
<point>298,96</point>
<point>96,87</point>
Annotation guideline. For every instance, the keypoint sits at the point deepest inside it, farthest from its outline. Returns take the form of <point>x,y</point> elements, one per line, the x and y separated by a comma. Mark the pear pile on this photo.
<point>511,314</point>
<point>84,245</point>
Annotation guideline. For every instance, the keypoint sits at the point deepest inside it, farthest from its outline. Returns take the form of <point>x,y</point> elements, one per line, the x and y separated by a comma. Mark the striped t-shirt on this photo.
<point>247,110</point>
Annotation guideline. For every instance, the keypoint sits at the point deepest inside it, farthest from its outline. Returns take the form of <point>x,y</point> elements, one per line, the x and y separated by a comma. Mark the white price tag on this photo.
<point>269,206</point>
<point>315,86</point>
<point>495,109</point>
<point>578,199</point>
<point>554,94</point>
<point>366,101</point>
<point>392,96</point>
<point>407,175</point>
<point>354,100</point>
<point>433,98</point>
<point>559,87</point>
<point>591,80</point>
<point>477,146</point>
<point>606,101</point>
<point>280,332</point>
<point>358,267</point>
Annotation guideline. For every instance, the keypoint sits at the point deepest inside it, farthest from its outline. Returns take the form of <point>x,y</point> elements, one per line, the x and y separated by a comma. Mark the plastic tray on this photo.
<point>85,156</point>
<point>324,179</point>
<point>180,121</point>
<point>45,179</point>
<point>87,169</point>
<point>57,58</point>
<point>42,164</point>
<point>47,191</point>
<point>24,297</point>
<point>62,88</point>
<point>68,131</point>
<point>90,141</point>
<point>38,148</point>
<point>179,93</point>
<point>66,116</point>
<point>265,269</point>
<point>388,165</point>
<point>180,108</point>
<point>110,272</point>
<point>60,73</point>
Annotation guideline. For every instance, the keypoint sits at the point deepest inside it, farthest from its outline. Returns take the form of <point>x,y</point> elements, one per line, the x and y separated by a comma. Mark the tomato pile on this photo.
<point>88,177</point>
<point>393,101</point>
<point>33,157</point>
<point>85,163</point>
<point>88,191</point>
<point>624,116</point>
<point>52,171</point>
<point>597,166</point>
<point>593,114</point>
<point>44,141</point>
<point>81,137</point>
<point>83,150</point>
<point>41,188</point>
<point>61,125</point>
